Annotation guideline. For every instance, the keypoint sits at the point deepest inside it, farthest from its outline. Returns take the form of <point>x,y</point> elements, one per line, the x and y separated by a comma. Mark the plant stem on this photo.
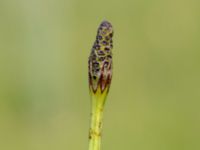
<point>98,101</point>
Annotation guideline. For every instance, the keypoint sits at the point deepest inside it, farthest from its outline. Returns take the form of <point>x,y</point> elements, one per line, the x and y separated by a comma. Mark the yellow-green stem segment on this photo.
<point>98,100</point>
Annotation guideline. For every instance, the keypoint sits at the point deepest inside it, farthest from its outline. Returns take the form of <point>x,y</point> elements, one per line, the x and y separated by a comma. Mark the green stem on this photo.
<point>96,121</point>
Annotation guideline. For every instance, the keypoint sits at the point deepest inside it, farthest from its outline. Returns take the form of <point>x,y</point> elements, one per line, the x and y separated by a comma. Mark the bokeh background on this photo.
<point>154,100</point>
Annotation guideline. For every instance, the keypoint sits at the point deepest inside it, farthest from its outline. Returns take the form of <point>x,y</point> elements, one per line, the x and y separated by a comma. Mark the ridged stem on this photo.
<point>95,132</point>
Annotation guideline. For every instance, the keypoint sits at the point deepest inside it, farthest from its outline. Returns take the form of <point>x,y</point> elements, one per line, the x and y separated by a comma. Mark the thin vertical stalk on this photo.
<point>96,121</point>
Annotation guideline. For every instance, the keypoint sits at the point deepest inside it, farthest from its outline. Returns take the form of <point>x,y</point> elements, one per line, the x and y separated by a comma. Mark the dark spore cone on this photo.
<point>100,59</point>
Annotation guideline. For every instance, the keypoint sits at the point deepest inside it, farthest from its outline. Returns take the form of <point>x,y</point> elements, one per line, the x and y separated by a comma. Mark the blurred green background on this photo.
<point>154,101</point>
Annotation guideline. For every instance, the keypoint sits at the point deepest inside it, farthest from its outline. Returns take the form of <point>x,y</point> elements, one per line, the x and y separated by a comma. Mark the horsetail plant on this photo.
<point>100,75</point>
